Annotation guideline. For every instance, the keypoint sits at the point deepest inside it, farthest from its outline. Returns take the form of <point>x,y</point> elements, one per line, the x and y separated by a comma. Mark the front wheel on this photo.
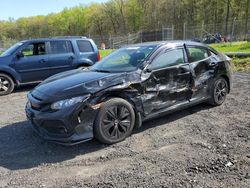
<point>115,121</point>
<point>219,92</point>
<point>6,84</point>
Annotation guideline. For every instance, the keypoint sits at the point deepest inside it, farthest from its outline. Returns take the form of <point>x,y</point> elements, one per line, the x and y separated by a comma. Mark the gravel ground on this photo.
<point>197,147</point>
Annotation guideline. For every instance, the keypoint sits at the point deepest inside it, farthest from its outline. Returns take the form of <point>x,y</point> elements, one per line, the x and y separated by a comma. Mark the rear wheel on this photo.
<point>115,121</point>
<point>219,92</point>
<point>6,84</point>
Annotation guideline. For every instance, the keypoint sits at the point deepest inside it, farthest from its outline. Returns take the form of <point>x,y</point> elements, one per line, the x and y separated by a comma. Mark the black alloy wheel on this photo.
<point>115,121</point>
<point>220,91</point>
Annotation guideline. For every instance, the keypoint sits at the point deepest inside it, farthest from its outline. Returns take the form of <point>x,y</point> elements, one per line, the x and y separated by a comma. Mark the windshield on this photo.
<point>12,49</point>
<point>124,59</point>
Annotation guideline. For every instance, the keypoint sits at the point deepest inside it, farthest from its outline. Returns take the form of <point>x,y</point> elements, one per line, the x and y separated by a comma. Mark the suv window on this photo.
<point>169,58</point>
<point>34,49</point>
<point>197,54</point>
<point>60,47</point>
<point>84,46</point>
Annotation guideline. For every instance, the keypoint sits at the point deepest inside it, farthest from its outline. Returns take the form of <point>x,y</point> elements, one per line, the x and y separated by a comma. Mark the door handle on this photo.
<point>71,57</point>
<point>212,64</point>
<point>42,61</point>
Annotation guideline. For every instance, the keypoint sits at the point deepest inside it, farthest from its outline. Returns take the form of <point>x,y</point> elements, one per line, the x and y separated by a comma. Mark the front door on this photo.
<point>168,81</point>
<point>33,65</point>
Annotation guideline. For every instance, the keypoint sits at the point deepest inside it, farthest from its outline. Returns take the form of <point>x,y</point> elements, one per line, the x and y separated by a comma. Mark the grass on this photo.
<point>104,53</point>
<point>232,47</point>
<point>239,64</point>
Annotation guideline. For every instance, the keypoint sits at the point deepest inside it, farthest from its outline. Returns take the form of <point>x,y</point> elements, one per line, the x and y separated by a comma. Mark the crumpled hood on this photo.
<point>74,83</point>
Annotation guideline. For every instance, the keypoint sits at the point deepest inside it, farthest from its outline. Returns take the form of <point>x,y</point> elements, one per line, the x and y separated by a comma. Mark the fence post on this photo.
<point>162,33</point>
<point>110,43</point>
<point>232,34</point>
<point>172,31</point>
<point>141,36</point>
<point>184,31</point>
<point>202,29</point>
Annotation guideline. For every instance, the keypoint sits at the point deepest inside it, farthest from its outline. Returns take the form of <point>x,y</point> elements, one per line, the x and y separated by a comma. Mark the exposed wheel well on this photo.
<point>8,74</point>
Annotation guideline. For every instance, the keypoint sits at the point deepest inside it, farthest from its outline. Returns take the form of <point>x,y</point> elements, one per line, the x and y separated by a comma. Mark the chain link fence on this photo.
<point>234,30</point>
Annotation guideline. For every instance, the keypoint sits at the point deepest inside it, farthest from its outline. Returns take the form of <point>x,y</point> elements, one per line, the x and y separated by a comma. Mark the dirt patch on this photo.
<point>197,147</point>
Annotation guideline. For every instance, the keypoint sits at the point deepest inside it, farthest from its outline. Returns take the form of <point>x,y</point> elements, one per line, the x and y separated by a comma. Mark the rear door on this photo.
<point>33,66</point>
<point>61,56</point>
<point>202,66</point>
<point>168,82</point>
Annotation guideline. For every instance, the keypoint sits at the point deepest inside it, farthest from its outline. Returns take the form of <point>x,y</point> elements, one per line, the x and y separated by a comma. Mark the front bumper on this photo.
<point>68,126</point>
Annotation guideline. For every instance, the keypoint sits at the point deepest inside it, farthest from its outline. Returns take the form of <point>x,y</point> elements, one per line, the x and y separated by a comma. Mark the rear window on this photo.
<point>197,54</point>
<point>84,46</point>
<point>61,47</point>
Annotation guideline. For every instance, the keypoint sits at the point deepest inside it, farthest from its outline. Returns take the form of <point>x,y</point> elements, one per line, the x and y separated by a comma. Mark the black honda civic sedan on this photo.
<point>138,82</point>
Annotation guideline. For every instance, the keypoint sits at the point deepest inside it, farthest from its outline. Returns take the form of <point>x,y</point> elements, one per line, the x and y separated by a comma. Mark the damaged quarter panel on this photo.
<point>206,65</point>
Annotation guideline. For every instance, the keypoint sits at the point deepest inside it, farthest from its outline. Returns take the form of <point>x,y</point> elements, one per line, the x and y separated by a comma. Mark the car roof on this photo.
<point>56,38</point>
<point>173,42</point>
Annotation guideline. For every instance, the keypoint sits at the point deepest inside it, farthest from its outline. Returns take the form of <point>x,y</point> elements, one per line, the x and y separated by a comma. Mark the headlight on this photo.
<point>68,102</point>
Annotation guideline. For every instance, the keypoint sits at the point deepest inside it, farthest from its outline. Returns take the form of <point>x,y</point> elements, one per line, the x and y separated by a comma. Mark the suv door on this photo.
<point>32,62</point>
<point>168,83</point>
<point>61,56</point>
<point>202,67</point>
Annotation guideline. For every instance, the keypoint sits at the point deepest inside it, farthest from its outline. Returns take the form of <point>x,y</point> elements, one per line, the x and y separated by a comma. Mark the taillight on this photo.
<point>98,56</point>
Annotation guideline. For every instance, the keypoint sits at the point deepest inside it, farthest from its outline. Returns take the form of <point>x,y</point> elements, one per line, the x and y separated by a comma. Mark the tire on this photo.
<point>6,84</point>
<point>219,92</point>
<point>82,66</point>
<point>115,121</point>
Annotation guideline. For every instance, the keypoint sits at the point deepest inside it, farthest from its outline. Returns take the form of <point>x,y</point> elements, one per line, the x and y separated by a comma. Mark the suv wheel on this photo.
<point>6,84</point>
<point>83,66</point>
<point>219,92</point>
<point>115,121</point>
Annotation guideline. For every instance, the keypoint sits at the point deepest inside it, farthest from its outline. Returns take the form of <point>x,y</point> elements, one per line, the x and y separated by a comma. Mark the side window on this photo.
<point>60,47</point>
<point>197,54</point>
<point>34,49</point>
<point>84,46</point>
<point>169,58</point>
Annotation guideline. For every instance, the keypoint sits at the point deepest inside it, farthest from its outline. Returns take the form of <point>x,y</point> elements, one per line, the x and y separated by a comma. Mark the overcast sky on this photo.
<point>24,8</point>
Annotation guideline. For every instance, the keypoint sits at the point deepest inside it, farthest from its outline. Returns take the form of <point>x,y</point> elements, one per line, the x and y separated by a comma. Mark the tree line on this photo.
<point>121,17</point>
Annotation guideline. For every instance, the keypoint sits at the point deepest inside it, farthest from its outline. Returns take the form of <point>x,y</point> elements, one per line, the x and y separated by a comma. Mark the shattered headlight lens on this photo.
<point>68,102</point>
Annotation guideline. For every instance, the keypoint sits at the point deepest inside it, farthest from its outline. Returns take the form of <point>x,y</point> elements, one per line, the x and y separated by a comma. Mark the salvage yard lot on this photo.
<point>197,147</point>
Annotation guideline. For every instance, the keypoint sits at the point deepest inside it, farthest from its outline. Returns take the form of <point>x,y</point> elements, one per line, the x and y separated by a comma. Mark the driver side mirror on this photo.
<point>19,55</point>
